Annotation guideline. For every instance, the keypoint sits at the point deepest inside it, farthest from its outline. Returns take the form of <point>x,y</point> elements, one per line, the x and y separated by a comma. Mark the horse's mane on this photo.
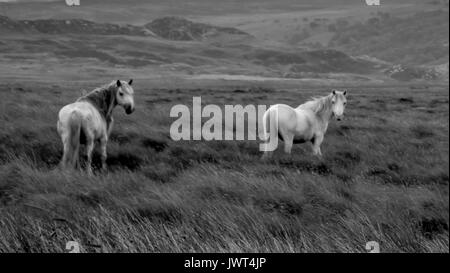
<point>103,98</point>
<point>318,105</point>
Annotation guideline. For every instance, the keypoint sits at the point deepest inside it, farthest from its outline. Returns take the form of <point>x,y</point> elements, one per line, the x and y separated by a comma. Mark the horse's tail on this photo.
<point>73,141</point>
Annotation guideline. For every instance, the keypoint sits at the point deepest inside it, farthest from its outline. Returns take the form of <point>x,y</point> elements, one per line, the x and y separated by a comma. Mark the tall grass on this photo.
<point>383,177</point>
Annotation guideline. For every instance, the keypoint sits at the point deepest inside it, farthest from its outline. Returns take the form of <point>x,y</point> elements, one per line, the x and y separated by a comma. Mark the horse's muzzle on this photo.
<point>129,110</point>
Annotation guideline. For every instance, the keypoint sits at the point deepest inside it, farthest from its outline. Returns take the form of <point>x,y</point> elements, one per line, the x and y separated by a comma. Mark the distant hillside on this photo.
<point>408,73</point>
<point>316,61</point>
<point>226,50</point>
<point>171,28</point>
<point>68,26</point>
<point>8,25</point>
<point>420,39</point>
<point>175,28</point>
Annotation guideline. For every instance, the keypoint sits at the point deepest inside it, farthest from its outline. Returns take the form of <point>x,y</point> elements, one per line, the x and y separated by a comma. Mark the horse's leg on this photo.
<point>103,142</point>
<point>65,143</point>
<point>76,157</point>
<point>316,144</point>
<point>89,152</point>
<point>288,141</point>
<point>109,126</point>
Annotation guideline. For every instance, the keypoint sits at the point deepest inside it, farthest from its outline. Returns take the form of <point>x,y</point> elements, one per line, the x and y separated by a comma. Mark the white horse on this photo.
<point>307,122</point>
<point>90,119</point>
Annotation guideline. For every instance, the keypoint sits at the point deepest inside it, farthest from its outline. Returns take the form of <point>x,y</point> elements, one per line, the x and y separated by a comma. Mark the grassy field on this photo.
<point>383,177</point>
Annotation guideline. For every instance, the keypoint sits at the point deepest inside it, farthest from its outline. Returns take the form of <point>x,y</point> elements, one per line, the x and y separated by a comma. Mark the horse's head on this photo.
<point>125,95</point>
<point>338,101</point>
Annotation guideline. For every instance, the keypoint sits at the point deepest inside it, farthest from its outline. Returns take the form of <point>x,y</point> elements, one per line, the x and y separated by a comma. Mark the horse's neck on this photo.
<point>324,116</point>
<point>110,101</point>
<point>104,101</point>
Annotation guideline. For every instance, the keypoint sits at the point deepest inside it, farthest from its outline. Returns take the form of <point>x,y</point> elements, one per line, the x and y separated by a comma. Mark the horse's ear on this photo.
<point>130,82</point>
<point>119,83</point>
<point>345,92</point>
<point>333,91</point>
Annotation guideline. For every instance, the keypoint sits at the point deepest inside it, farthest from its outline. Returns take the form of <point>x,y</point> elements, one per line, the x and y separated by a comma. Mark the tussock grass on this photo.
<point>383,177</point>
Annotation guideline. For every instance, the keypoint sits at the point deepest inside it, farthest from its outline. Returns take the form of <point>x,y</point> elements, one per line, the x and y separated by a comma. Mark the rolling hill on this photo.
<point>419,39</point>
<point>180,29</point>
<point>176,40</point>
<point>171,28</point>
<point>320,42</point>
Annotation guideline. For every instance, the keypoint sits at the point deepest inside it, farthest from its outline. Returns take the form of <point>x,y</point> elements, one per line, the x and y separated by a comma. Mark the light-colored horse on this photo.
<point>307,122</point>
<point>89,119</point>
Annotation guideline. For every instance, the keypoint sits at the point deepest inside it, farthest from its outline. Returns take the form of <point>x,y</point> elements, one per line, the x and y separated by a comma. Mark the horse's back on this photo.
<point>296,121</point>
<point>91,120</point>
<point>283,111</point>
<point>288,117</point>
